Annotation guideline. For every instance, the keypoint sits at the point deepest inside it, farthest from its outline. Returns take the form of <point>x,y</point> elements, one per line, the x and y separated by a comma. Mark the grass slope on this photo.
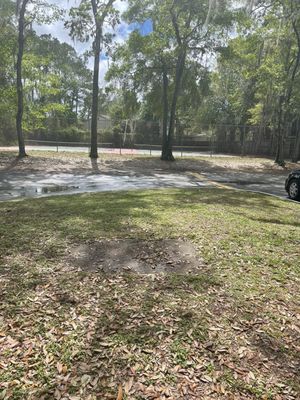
<point>231,331</point>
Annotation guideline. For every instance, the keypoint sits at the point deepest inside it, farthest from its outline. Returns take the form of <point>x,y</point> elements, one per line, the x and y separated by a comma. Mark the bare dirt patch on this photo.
<point>137,256</point>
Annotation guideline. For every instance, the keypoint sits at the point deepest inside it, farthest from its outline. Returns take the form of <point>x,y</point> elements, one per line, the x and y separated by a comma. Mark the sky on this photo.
<point>121,32</point>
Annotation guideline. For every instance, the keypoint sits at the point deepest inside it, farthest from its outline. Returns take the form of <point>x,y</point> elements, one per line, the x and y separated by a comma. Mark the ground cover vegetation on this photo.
<point>217,68</point>
<point>227,328</point>
<point>77,162</point>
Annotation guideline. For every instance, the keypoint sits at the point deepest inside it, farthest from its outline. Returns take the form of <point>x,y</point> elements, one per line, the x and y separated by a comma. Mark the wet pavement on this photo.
<point>265,183</point>
<point>14,185</point>
<point>21,185</point>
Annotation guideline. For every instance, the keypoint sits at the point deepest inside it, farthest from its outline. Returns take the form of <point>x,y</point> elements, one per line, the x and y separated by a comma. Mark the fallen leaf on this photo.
<point>85,379</point>
<point>59,367</point>
<point>128,385</point>
<point>120,393</point>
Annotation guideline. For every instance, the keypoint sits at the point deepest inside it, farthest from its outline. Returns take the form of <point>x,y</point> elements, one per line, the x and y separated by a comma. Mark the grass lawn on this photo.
<point>229,331</point>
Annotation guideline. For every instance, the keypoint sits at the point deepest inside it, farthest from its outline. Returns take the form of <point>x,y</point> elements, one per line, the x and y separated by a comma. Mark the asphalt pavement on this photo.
<point>264,183</point>
<point>14,185</point>
<point>21,185</point>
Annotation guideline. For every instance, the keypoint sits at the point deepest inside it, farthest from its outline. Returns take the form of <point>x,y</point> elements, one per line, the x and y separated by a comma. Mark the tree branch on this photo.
<point>176,28</point>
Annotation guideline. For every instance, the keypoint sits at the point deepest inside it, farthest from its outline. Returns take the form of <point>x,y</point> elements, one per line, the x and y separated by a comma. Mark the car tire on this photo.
<point>294,189</point>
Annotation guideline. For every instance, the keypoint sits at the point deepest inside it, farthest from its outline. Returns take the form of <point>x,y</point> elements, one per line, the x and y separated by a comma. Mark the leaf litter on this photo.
<point>226,330</point>
<point>129,337</point>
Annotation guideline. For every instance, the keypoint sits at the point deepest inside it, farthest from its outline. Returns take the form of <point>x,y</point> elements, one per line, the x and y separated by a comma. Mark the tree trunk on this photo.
<point>94,125</point>
<point>76,105</point>
<point>279,148</point>
<point>258,139</point>
<point>99,20</point>
<point>165,114</point>
<point>19,117</point>
<point>167,154</point>
<point>296,155</point>
<point>242,139</point>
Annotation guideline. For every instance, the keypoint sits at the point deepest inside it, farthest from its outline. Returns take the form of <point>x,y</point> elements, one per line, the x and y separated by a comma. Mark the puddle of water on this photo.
<point>53,189</point>
<point>28,186</point>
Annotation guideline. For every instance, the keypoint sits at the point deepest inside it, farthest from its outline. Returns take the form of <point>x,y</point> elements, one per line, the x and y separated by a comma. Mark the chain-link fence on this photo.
<point>132,136</point>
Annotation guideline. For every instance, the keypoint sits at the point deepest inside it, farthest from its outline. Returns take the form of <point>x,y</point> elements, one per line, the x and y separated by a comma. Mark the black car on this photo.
<point>292,185</point>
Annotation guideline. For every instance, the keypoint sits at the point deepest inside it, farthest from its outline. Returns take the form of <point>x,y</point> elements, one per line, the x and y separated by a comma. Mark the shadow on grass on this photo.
<point>74,217</point>
<point>231,198</point>
<point>136,324</point>
<point>40,225</point>
<point>285,359</point>
<point>202,165</point>
<point>275,221</point>
<point>35,234</point>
